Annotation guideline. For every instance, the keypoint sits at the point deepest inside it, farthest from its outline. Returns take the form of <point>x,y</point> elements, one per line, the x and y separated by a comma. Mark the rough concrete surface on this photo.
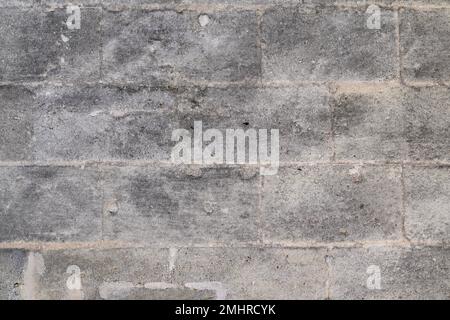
<point>93,207</point>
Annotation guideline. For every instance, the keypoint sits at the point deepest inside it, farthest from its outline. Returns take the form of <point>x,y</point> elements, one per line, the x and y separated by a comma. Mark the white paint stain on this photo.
<point>74,20</point>
<point>34,268</point>
<point>111,290</point>
<point>118,113</point>
<point>374,279</point>
<point>172,258</point>
<point>221,292</point>
<point>356,174</point>
<point>95,113</point>
<point>203,20</point>
<point>74,280</point>
<point>74,288</point>
<point>160,285</point>
<point>111,206</point>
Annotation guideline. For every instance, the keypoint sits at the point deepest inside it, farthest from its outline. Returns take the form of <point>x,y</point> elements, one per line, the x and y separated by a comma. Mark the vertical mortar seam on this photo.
<point>328,279</point>
<point>259,209</point>
<point>403,203</point>
<point>331,102</point>
<point>259,43</point>
<point>398,45</point>
<point>103,211</point>
<point>101,44</point>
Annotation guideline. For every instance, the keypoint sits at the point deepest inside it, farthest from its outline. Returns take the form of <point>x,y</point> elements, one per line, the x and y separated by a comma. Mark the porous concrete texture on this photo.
<point>91,206</point>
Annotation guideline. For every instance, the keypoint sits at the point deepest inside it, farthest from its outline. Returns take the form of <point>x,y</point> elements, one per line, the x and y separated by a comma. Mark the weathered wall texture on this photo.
<point>91,206</point>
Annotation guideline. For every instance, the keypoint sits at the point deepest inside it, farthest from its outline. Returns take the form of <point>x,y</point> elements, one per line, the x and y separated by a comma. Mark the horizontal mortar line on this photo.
<point>355,244</point>
<point>238,7</point>
<point>225,84</point>
<point>404,5</point>
<point>193,82</point>
<point>211,7</point>
<point>205,8</point>
<point>106,245</point>
<point>421,84</point>
<point>110,162</point>
<point>370,162</point>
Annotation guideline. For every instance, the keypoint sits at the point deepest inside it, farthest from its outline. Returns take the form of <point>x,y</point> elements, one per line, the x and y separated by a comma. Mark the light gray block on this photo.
<point>427,203</point>
<point>404,273</point>
<point>428,123</point>
<point>101,122</point>
<point>327,43</point>
<point>103,274</point>
<point>332,203</point>
<point>12,263</point>
<point>246,273</point>
<point>18,3</point>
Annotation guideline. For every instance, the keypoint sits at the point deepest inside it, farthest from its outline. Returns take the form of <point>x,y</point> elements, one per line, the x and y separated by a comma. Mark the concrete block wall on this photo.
<point>91,206</point>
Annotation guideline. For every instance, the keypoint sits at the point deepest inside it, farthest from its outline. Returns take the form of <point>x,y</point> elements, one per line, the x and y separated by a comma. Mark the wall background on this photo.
<point>91,206</point>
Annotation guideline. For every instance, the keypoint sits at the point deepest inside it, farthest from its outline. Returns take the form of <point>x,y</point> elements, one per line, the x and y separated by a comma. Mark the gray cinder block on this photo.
<point>37,45</point>
<point>427,192</point>
<point>327,43</point>
<point>50,204</point>
<point>12,263</point>
<point>101,274</point>
<point>101,122</point>
<point>379,123</point>
<point>168,205</point>
<point>247,273</point>
<point>161,46</point>
<point>16,123</point>
<point>332,203</point>
<point>425,44</point>
<point>390,273</point>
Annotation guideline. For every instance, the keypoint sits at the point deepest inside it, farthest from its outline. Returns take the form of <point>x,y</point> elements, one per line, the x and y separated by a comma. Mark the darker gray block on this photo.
<point>327,43</point>
<point>16,123</point>
<point>427,127</point>
<point>181,205</point>
<point>405,273</point>
<point>50,204</point>
<point>427,203</point>
<point>37,44</point>
<point>392,124</point>
<point>369,124</point>
<point>160,46</point>
<point>12,263</point>
<point>332,203</point>
<point>425,44</point>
